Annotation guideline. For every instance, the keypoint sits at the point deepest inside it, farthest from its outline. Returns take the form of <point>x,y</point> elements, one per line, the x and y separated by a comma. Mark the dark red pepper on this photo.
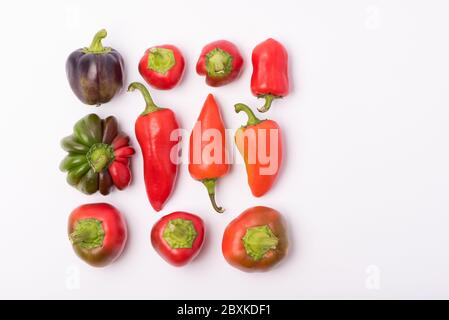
<point>178,237</point>
<point>221,62</point>
<point>162,67</point>
<point>270,72</point>
<point>156,130</point>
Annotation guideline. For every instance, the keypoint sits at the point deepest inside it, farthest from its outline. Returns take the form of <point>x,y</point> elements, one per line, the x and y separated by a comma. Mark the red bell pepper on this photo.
<point>156,133</point>
<point>98,233</point>
<point>178,237</point>
<point>256,240</point>
<point>221,63</point>
<point>270,72</point>
<point>207,152</point>
<point>260,144</point>
<point>162,67</point>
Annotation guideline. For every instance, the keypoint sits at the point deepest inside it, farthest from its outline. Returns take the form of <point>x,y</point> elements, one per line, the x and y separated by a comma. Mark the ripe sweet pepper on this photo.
<point>221,62</point>
<point>270,72</point>
<point>162,66</point>
<point>156,130</point>
<point>98,156</point>
<point>207,152</point>
<point>260,144</point>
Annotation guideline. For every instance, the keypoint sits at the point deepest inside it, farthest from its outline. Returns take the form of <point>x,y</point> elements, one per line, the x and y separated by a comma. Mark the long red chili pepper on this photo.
<point>270,72</point>
<point>207,156</point>
<point>260,144</point>
<point>155,132</point>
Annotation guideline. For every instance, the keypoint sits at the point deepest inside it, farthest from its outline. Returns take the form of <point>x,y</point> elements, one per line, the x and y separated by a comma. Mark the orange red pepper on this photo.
<point>207,151</point>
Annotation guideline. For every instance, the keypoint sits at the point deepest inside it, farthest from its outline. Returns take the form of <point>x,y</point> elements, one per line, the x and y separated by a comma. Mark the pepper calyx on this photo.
<point>218,63</point>
<point>88,233</point>
<point>258,241</point>
<point>96,47</point>
<point>100,156</point>
<point>161,60</point>
<point>180,233</point>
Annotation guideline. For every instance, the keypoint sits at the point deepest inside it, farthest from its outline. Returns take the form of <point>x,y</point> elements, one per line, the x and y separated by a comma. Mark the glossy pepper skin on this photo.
<point>98,233</point>
<point>270,72</point>
<point>256,240</point>
<point>178,237</point>
<point>260,144</point>
<point>221,62</point>
<point>95,74</point>
<point>98,156</point>
<point>157,133</point>
<point>207,150</point>
<point>162,67</point>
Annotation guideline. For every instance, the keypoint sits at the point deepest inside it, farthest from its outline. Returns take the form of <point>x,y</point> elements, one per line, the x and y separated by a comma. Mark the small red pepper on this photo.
<point>270,72</point>
<point>156,133</point>
<point>256,240</point>
<point>178,237</point>
<point>260,144</point>
<point>207,152</point>
<point>221,62</point>
<point>162,67</point>
<point>98,233</point>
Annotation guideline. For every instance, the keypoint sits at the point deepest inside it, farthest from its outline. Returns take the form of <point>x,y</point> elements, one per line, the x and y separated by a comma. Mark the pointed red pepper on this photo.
<point>156,133</point>
<point>221,62</point>
<point>270,72</point>
<point>207,154</point>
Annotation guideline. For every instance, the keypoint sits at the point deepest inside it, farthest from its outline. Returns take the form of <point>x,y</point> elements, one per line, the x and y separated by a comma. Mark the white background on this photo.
<point>365,183</point>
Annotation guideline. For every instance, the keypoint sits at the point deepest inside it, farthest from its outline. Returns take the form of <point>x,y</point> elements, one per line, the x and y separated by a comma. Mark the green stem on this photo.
<point>252,119</point>
<point>88,233</point>
<point>268,100</point>
<point>210,186</point>
<point>96,46</point>
<point>150,105</point>
<point>258,241</point>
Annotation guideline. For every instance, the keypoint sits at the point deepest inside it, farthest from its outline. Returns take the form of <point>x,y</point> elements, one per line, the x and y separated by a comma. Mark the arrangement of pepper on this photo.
<point>154,130</point>
<point>270,72</point>
<point>99,155</point>
<point>207,152</point>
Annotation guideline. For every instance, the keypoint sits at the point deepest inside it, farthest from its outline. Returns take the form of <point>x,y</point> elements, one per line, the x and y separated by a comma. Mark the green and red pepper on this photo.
<point>256,240</point>
<point>98,233</point>
<point>98,156</point>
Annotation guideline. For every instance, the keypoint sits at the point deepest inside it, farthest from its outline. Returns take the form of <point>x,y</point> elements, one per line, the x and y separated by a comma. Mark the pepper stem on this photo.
<point>210,186</point>
<point>268,100</point>
<point>88,233</point>
<point>252,119</point>
<point>150,105</point>
<point>96,46</point>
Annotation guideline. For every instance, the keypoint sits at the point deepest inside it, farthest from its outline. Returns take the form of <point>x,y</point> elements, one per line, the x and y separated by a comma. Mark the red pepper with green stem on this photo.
<point>207,152</point>
<point>270,72</point>
<point>162,66</point>
<point>156,131</point>
<point>256,240</point>
<point>98,233</point>
<point>178,237</point>
<point>221,62</point>
<point>260,144</point>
